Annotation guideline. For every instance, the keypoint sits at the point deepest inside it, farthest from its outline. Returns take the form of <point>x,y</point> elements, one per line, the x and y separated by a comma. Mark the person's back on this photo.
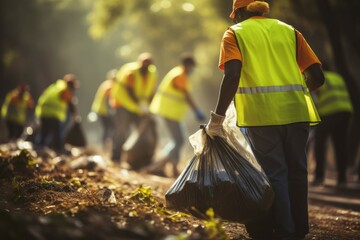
<point>170,101</point>
<point>333,96</point>
<point>130,96</point>
<point>270,77</point>
<point>53,107</point>
<point>15,105</point>
<point>133,88</point>
<point>263,61</point>
<point>14,109</point>
<point>50,103</point>
<point>335,109</point>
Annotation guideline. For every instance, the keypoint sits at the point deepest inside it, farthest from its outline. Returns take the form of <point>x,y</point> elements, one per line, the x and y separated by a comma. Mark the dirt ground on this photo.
<point>82,196</point>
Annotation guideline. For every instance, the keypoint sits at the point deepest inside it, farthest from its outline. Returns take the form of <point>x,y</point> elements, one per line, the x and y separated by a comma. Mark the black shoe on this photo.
<point>317,182</point>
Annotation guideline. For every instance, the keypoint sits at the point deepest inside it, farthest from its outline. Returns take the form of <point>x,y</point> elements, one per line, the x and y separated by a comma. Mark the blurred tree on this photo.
<point>333,30</point>
<point>43,39</point>
<point>32,32</point>
<point>331,13</point>
<point>164,27</point>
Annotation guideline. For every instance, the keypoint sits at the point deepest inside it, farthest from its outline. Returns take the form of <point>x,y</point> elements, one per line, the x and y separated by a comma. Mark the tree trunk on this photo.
<point>331,25</point>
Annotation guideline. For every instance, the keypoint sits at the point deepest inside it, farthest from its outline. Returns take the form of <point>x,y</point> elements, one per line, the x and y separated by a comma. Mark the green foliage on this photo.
<point>165,28</point>
<point>105,14</point>
<point>75,182</point>
<point>41,40</point>
<point>214,226</point>
<point>143,194</point>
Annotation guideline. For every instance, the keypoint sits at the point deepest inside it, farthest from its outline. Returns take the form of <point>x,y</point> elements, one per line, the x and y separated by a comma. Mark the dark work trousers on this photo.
<point>124,121</point>
<point>107,123</point>
<point>280,150</point>
<point>334,126</point>
<point>14,130</point>
<point>50,134</point>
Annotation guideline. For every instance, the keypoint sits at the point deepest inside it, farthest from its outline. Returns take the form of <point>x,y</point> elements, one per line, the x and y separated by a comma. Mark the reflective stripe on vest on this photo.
<point>176,98</point>
<point>272,90</point>
<point>268,89</point>
<point>333,96</point>
<point>170,102</point>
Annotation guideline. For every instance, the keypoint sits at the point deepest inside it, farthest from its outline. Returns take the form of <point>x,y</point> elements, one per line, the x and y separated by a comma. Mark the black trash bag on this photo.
<point>139,148</point>
<point>223,177</point>
<point>75,135</point>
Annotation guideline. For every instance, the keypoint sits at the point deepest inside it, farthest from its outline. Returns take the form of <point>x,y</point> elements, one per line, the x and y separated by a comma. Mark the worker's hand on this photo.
<point>144,109</point>
<point>215,125</point>
<point>200,116</point>
<point>77,118</point>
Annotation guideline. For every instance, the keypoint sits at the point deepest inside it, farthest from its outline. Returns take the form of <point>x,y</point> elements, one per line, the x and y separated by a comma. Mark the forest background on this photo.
<point>41,40</point>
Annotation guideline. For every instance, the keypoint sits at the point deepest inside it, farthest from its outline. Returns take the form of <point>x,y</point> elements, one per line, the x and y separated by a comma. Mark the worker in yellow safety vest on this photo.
<point>14,110</point>
<point>171,102</point>
<point>101,106</point>
<point>52,109</point>
<point>335,109</point>
<point>269,69</point>
<point>130,96</point>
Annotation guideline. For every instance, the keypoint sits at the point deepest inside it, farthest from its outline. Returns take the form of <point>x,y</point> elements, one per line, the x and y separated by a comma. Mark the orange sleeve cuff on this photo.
<point>229,48</point>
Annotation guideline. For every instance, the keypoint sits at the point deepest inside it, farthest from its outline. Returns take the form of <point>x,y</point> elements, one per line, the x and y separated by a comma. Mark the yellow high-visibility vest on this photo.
<point>170,102</point>
<point>143,90</point>
<point>15,112</point>
<point>333,96</point>
<point>50,104</point>
<point>272,89</point>
<point>100,103</point>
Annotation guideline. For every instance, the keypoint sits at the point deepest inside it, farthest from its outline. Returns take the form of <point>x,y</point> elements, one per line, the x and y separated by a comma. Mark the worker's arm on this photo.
<point>314,77</point>
<point>30,102</point>
<point>189,99</point>
<point>228,88</point>
<point>181,84</point>
<point>68,96</point>
<point>130,81</point>
<point>229,85</point>
<point>131,93</point>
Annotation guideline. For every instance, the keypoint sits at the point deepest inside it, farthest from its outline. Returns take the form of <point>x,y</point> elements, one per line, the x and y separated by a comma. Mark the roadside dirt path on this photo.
<point>45,196</point>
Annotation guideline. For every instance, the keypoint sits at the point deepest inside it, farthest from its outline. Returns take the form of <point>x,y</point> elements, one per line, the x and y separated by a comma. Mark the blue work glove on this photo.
<point>199,115</point>
<point>215,125</point>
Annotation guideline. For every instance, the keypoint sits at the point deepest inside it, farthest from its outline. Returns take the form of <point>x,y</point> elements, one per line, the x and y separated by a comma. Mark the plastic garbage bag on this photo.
<point>223,175</point>
<point>75,135</point>
<point>139,148</point>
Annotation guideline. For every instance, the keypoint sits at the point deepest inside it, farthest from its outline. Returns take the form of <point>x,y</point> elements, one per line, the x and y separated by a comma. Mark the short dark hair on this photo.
<point>187,59</point>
